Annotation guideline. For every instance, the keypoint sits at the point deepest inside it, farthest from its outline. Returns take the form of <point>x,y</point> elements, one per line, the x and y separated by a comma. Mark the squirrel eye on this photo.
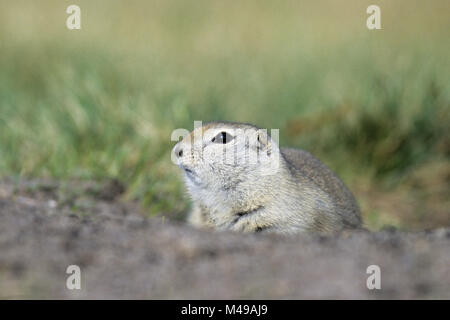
<point>222,138</point>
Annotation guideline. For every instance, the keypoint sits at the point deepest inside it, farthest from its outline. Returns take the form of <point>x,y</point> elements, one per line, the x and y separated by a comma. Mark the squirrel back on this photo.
<point>304,165</point>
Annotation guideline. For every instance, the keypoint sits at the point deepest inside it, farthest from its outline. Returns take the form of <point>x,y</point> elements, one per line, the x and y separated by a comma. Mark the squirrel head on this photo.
<point>220,155</point>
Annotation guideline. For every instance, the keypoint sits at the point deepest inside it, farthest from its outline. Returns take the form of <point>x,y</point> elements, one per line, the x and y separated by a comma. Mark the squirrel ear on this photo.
<point>263,139</point>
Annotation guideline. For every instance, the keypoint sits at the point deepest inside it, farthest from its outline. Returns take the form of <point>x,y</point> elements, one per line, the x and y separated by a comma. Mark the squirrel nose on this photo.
<point>178,151</point>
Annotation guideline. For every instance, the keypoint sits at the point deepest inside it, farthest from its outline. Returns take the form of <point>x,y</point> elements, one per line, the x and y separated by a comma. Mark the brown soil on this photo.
<point>46,226</point>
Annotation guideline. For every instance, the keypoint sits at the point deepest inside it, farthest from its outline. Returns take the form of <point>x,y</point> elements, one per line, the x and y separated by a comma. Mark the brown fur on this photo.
<point>302,195</point>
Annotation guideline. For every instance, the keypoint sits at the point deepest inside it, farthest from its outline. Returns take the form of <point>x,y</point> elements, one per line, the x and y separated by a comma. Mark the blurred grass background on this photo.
<point>101,102</point>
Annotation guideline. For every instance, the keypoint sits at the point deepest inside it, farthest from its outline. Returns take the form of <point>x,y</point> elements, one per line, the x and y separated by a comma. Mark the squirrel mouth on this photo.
<point>191,175</point>
<point>188,171</point>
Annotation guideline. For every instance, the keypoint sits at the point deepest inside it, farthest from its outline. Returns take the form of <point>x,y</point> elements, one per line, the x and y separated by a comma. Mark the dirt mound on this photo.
<point>46,226</point>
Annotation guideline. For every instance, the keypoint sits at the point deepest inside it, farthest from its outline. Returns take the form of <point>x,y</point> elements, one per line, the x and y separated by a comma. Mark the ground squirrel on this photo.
<point>239,179</point>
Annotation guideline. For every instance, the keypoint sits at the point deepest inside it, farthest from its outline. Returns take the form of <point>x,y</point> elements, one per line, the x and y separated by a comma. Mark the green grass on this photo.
<point>102,102</point>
